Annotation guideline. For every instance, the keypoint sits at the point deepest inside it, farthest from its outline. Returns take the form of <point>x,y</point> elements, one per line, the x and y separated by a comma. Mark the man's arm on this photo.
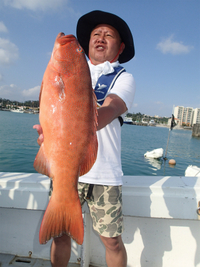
<point>113,106</point>
<point>111,109</point>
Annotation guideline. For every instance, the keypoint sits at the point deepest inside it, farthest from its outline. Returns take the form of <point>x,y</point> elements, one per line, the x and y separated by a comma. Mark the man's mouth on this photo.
<point>100,48</point>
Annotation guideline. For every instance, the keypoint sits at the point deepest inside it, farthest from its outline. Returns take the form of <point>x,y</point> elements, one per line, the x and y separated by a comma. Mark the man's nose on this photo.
<point>101,39</point>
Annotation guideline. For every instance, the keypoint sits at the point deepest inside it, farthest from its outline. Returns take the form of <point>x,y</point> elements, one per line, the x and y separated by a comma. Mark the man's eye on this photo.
<point>109,35</point>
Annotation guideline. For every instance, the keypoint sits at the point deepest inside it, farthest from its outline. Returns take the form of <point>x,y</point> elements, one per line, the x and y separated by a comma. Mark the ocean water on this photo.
<point>18,141</point>
<point>137,140</point>
<point>18,147</point>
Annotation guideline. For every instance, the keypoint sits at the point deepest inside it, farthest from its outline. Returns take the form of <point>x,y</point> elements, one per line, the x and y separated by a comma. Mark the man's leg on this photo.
<point>60,251</point>
<point>106,201</point>
<point>115,251</point>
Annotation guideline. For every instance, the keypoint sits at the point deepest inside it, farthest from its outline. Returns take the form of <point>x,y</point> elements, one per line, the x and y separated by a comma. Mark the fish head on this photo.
<point>66,51</point>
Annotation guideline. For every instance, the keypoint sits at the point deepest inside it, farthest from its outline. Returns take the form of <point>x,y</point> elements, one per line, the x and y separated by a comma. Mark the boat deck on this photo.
<point>159,213</point>
<point>8,260</point>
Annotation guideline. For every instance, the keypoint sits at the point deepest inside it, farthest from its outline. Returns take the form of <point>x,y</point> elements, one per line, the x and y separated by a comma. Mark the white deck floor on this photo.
<point>8,260</point>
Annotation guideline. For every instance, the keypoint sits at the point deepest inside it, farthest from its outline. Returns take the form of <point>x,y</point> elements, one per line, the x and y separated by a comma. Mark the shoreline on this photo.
<point>163,126</point>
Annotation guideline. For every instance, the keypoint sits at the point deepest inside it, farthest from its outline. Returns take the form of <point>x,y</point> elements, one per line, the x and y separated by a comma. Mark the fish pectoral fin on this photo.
<point>41,163</point>
<point>60,219</point>
<point>90,156</point>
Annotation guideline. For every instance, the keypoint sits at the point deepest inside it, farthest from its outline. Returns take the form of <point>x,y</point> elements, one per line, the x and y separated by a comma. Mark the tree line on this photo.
<point>30,103</point>
<point>35,104</point>
<point>138,117</point>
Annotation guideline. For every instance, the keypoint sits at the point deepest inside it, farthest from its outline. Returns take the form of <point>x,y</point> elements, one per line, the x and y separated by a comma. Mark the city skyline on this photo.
<point>187,115</point>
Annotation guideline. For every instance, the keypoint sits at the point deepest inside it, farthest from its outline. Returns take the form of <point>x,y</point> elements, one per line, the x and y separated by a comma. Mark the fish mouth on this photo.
<point>63,39</point>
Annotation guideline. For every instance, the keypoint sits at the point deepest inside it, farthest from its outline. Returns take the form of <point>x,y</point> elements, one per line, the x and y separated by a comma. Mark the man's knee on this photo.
<point>112,243</point>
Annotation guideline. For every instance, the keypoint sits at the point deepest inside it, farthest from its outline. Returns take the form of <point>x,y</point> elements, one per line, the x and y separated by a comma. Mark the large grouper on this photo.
<point>68,119</point>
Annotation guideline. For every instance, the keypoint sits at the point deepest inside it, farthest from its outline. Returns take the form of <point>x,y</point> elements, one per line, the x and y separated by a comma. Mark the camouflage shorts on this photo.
<point>105,205</point>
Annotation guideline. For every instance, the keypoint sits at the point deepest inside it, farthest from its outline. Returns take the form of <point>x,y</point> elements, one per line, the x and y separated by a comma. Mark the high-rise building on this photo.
<point>178,113</point>
<point>187,116</point>
<point>196,116</point>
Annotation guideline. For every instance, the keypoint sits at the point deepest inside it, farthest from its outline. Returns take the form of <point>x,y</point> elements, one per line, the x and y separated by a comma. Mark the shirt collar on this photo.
<point>101,69</point>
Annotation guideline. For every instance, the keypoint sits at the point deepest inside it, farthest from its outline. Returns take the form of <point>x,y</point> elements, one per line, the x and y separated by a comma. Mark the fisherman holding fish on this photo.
<point>108,42</point>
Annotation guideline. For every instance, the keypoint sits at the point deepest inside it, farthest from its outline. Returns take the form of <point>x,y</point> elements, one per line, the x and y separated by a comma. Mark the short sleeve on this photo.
<point>124,87</point>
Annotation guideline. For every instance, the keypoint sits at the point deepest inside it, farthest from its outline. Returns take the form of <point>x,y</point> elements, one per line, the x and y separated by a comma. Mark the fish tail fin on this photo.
<point>62,219</point>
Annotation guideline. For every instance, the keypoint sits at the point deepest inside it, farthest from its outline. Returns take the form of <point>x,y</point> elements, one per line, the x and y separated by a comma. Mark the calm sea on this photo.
<point>18,147</point>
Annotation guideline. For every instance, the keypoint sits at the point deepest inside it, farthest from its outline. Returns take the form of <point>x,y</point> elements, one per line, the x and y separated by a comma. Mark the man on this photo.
<point>107,41</point>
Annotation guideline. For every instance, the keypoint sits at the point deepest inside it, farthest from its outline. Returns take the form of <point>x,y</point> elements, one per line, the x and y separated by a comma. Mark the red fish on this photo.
<point>68,120</point>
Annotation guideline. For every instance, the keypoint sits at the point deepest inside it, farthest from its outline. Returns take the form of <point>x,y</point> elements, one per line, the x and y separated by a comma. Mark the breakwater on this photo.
<point>196,130</point>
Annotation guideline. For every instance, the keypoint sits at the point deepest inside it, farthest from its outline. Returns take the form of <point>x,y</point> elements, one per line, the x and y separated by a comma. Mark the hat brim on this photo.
<point>90,20</point>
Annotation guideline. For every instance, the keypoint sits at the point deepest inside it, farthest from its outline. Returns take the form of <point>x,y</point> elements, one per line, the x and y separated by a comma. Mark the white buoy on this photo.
<point>155,154</point>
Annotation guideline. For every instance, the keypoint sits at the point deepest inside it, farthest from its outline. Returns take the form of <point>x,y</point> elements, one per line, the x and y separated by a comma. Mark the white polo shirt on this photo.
<point>107,169</point>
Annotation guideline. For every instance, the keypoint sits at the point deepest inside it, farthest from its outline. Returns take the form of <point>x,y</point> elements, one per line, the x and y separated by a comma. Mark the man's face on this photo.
<point>104,44</point>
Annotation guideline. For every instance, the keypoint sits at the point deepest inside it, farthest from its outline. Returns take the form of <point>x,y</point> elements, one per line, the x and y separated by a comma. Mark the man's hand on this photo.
<point>40,132</point>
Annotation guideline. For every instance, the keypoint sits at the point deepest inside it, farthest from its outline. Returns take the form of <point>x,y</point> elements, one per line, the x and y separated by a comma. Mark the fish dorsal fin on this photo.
<point>91,154</point>
<point>41,87</point>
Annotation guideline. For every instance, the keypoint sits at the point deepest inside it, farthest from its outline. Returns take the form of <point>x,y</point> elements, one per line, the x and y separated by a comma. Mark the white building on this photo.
<point>187,115</point>
<point>196,115</point>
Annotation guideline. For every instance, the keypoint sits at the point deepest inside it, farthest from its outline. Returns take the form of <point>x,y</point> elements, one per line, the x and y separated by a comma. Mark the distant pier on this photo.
<point>196,130</point>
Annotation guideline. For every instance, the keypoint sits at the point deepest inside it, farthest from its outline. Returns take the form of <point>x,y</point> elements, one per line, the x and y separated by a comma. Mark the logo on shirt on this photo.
<point>100,87</point>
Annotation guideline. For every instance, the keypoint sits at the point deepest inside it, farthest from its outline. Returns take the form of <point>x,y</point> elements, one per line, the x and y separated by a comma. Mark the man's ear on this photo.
<point>121,49</point>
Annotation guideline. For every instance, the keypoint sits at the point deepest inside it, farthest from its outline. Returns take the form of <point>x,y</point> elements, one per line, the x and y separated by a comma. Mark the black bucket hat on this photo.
<point>89,21</point>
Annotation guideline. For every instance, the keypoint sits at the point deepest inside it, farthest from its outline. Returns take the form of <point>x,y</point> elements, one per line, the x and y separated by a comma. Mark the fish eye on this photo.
<point>80,49</point>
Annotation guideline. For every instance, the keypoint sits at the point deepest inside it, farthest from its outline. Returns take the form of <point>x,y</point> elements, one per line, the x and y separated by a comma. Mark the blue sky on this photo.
<point>166,34</point>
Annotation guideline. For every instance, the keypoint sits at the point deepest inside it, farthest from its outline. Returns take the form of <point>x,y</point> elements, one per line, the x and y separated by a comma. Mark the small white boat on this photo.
<point>155,154</point>
<point>128,120</point>
<point>18,110</point>
<point>192,171</point>
<point>152,123</point>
